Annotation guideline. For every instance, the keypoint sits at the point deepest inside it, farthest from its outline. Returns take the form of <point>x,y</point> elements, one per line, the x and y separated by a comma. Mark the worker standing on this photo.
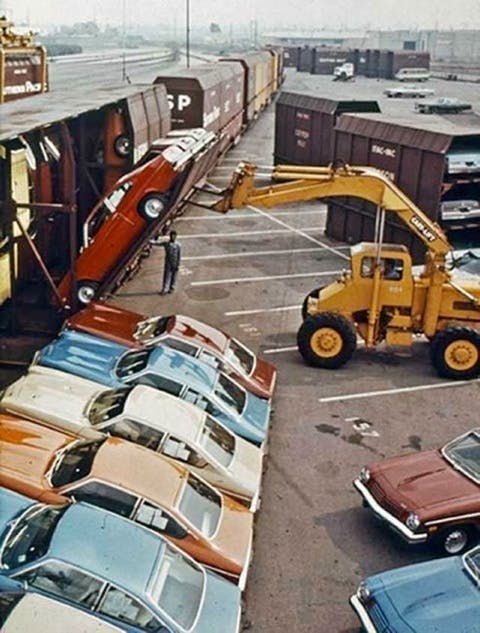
<point>173,254</point>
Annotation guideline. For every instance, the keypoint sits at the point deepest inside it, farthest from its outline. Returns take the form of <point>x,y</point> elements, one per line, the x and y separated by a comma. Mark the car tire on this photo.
<point>455,353</point>
<point>86,291</point>
<point>326,340</point>
<point>314,294</point>
<point>152,207</point>
<point>455,540</point>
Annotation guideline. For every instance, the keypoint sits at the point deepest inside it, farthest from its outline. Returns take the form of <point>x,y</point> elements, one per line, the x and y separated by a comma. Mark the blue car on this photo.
<point>441,596</point>
<point>119,571</point>
<point>166,369</point>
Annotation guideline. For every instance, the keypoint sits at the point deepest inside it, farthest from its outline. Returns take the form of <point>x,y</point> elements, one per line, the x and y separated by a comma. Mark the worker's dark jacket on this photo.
<point>172,254</point>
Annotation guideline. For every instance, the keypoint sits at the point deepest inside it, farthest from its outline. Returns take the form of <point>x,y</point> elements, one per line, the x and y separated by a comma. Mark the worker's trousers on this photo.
<point>169,278</point>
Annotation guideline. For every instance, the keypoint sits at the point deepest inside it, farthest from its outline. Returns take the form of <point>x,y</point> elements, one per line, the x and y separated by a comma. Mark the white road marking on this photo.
<point>262,310</point>
<point>285,251</point>
<point>215,282</point>
<point>262,232</point>
<point>383,392</point>
<point>280,350</point>
<point>299,232</point>
<point>234,216</point>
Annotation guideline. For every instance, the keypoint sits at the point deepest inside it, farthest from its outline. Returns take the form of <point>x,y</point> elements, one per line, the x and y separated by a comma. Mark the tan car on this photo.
<point>146,416</point>
<point>126,479</point>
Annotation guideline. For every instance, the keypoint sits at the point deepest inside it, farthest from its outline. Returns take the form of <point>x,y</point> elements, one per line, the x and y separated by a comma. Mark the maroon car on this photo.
<point>429,497</point>
<point>184,334</point>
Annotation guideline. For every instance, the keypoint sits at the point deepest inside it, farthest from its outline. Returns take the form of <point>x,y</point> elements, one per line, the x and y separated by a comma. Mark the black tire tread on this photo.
<point>327,319</point>
<point>439,343</point>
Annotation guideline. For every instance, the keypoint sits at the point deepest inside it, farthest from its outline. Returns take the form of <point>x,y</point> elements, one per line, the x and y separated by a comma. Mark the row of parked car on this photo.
<point>132,456</point>
<point>431,498</point>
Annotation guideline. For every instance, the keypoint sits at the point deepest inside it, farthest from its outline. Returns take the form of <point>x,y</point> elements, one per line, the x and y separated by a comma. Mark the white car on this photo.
<point>146,416</point>
<point>33,612</point>
<point>410,90</point>
<point>412,74</point>
<point>460,214</point>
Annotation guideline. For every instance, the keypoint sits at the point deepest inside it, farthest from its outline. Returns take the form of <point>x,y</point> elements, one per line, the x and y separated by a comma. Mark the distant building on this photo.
<point>320,37</point>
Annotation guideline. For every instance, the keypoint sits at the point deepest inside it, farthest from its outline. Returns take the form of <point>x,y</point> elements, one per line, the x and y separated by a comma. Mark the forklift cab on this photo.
<point>396,279</point>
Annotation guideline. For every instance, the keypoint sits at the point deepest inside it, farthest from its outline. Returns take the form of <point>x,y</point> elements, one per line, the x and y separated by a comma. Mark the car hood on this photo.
<point>107,321</point>
<point>423,480</point>
<point>221,606</point>
<point>432,597</point>
<point>83,355</point>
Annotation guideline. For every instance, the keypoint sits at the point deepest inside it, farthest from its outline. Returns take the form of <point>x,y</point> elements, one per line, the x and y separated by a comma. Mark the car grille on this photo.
<point>381,498</point>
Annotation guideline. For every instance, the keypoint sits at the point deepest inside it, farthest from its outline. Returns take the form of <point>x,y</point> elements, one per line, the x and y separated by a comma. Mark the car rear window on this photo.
<point>241,357</point>
<point>201,505</point>
<point>218,442</point>
<point>74,462</point>
<point>230,393</point>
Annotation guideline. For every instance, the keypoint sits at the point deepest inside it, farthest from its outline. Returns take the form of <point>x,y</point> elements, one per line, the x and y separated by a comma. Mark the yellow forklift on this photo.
<point>379,299</point>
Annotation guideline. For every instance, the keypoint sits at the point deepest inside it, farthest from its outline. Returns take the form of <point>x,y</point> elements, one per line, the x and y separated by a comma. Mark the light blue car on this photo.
<point>440,596</point>
<point>166,369</point>
<point>117,570</point>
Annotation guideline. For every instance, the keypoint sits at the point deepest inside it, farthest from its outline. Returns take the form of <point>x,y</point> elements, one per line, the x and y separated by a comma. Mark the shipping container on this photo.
<point>256,79</point>
<point>305,59</point>
<point>415,154</point>
<point>23,64</point>
<point>360,61</point>
<point>325,59</point>
<point>304,127</point>
<point>291,55</point>
<point>392,61</point>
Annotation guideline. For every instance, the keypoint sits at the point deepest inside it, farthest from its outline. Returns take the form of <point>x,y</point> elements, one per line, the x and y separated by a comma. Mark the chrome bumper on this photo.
<point>362,613</point>
<point>393,522</point>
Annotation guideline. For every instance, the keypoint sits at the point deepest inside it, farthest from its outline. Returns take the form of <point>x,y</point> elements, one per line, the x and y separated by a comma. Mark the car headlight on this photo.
<point>365,475</point>
<point>412,522</point>
<point>364,594</point>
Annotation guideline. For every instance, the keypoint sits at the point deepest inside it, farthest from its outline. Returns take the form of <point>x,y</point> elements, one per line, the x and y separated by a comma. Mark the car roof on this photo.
<point>36,612</point>
<point>47,392</point>
<point>107,545</point>
<point>199,332</point>
<point>140,470</point>
<point>27,448</point>
<point>165,411</point>
<point>182,368</point>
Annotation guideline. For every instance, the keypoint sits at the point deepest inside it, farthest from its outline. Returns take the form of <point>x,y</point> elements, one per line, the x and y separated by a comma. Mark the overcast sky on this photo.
<point>345,14</point>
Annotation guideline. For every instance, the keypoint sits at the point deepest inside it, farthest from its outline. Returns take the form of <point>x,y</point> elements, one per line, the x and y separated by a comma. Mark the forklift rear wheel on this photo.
<point>455,353</point>
<point>86,291</point>
<point>314,294</point>
<point>326,340</point>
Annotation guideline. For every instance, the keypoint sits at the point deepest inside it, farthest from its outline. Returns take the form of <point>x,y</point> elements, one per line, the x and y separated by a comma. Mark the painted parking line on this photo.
<point>280,350</point>
<point>285,251</point>
<point>386,392</point>
<point>262,310</point>
<point>261,232</point>
<point>234,216</point>
<point>301,232</point>
<point>234,280</point>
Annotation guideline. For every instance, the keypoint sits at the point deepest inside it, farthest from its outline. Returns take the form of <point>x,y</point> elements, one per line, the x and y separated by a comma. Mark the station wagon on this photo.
<point>163,368</point>
<point>178,430</point>
<point>183,333</point>
<point>128,480</point>
<point>102,562</point>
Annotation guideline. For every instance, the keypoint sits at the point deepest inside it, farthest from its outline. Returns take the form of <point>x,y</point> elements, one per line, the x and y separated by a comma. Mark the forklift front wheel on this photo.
<point>313,294</point>
<point>326,340</point>
<point>455,353</point>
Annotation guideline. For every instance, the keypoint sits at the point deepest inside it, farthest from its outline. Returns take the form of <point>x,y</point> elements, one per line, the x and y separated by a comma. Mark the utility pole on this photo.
<point>124,36</point>
<point>187,33</point>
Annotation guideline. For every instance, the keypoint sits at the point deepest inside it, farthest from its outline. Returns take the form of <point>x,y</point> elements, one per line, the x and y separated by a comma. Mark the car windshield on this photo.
<point>464,453</point>
<point>472,562</point>
<point>108,404</point>
<point>132,363</point>
<point>230,394</point>
<point>151,328</point>
<point>218,442</point>
<point>30,538</point>
<point>105,209</point>
<point>241,357</point>
<point>178,588</point>
<point>74,462</point>
<point>201,505</point>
